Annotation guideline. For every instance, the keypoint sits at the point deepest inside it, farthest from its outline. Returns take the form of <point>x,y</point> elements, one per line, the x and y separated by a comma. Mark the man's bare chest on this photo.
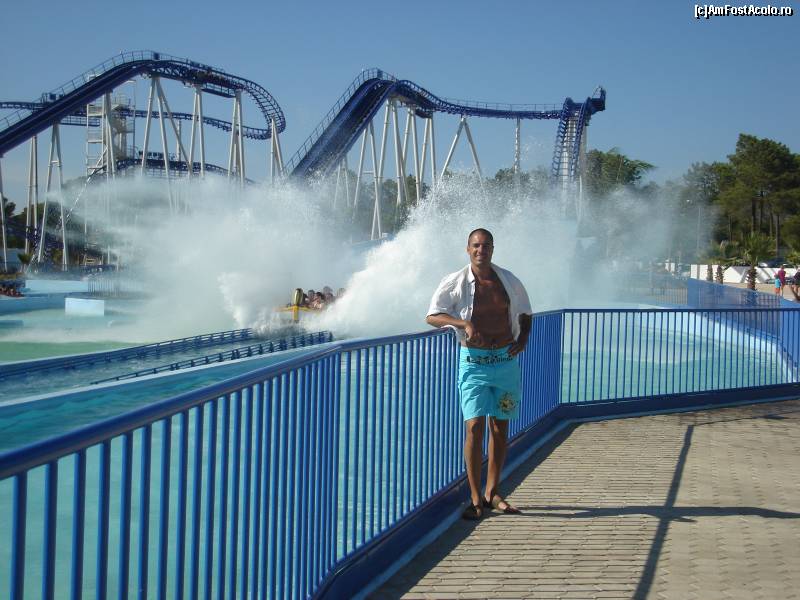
<point>490,295</point>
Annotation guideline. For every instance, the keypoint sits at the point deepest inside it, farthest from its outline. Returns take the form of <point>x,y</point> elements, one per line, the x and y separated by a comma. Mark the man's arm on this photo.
<point>443,320</point>
<point>524,331</point>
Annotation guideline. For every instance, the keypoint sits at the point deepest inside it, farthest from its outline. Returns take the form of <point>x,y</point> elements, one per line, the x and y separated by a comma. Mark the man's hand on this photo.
<point>473,335</point>
<point>524,331</point>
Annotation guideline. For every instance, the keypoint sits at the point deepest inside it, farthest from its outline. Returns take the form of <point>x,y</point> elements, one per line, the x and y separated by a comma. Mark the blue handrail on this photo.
<point>269,483</point>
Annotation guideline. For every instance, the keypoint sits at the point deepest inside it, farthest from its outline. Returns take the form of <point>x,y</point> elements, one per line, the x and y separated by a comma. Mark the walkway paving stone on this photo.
<point>698,505</point>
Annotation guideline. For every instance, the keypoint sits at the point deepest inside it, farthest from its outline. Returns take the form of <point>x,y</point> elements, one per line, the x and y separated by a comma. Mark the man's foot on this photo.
<point>500,504</point>
<point>473,512</point>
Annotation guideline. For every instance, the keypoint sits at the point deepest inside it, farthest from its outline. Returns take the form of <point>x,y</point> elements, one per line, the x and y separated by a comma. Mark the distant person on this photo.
<point>339,293</point>
<point>794,283</point>
<point>780,277</point>
<point>491,313</point>
<point>319,301</point>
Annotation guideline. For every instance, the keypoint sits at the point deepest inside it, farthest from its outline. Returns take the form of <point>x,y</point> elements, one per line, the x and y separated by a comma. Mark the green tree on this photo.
<point>724,255</point>
<point>10,207</point>
<point>766,176</point>
<point>609,171</point>
<point>755,248</point>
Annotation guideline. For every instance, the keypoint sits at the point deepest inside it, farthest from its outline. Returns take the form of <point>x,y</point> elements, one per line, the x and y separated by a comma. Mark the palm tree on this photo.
<point>724,255</point>
<point>755,247</point>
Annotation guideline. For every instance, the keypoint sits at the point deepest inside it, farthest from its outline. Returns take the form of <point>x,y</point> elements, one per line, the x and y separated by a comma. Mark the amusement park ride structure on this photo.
<point>93,101</point>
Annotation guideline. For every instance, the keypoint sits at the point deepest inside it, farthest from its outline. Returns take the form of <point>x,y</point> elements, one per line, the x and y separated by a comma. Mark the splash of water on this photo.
<point>223,257</point>
<point>391,294</point>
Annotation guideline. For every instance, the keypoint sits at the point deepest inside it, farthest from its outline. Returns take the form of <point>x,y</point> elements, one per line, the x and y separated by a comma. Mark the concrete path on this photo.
<point>699,505</point>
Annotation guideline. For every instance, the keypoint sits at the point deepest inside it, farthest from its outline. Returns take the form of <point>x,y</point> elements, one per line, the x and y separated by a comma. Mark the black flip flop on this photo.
<point>473,512</point>
<point>495,503</point>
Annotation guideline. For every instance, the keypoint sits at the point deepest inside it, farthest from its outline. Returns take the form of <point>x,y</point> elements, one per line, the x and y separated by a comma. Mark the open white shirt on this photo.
<point>456,294</point>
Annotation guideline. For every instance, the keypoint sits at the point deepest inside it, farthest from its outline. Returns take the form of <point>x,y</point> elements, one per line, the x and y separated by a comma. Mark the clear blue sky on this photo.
<point>680,90</point>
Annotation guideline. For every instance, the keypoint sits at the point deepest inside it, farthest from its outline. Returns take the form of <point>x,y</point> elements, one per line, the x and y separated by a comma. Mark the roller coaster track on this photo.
<point>155,163</point>
<point>64,101</point>
<point>340,128</point>
<point>79,118</point>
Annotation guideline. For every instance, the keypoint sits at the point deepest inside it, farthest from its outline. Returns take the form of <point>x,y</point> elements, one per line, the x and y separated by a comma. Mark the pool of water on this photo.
<point>51,332</point>
<point>26,420</point>
<point>44,382</point>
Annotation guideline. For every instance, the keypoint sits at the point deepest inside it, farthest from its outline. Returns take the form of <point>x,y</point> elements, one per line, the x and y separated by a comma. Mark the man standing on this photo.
<point>491,313</point>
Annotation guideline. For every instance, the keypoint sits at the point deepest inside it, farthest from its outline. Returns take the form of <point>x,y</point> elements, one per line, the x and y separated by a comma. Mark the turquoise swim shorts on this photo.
<point>488,383</point>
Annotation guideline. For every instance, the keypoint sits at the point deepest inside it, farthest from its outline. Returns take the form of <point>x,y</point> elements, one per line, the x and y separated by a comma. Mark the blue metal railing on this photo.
<point>267,484</point>
<point>618,354</point>
<point>707,294</point>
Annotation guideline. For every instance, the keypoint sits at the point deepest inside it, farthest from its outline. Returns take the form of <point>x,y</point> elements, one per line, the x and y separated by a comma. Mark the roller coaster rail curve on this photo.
<point>64,100</point>
<point>79,118</point>
<point>426,103</point>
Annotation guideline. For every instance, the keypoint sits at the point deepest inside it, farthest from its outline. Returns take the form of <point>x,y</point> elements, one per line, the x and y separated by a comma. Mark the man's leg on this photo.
<point>498,447</point>
<point>473,447</point>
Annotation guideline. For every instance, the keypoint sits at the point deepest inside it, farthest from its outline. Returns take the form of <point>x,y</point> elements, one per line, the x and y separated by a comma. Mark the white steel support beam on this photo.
<point>453,146</point>
<point>164,108</point>
<point>62,218</point>
<point>406,133</point>
<point>276,162</point>
<point>147,121</point>
<point>111,160</point>
<point>377,231</point>
<point>202,127</point>
<point>3,220</point>
<point>179,136</point>
<point>413,118</point>
<point>346,182</point>
<point>398,153</point>
<point>164,148</point>
<point>360,168</point>
<point>240,137</point>
<point>236,151</point>
<point>232,145</point>
<point>32,212</point>
<point>516,156</point>
<point>193,131</point>
<point>336,187</point>
<point>383,141</point>
<point>108,137</point>
<point>432,140</point>
<point>423,160</point>
<point>473,150</point>
<point>53,161</point>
